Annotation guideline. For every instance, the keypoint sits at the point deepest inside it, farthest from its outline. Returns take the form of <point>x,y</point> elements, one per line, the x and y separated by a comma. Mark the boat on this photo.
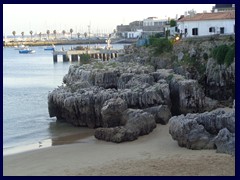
<point>26,51</point>
<point>50,48</point>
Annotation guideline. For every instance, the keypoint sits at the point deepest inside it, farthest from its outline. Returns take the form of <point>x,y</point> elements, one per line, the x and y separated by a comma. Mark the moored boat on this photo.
<point>50,48</point>
<point>26,51</point>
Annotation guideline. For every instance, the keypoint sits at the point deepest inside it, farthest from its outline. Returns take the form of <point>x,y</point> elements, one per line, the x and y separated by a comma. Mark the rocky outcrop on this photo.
<point>88,87</point>
<point>205,131</point>
<point>220,80</point>
<point>126,98</point>
<point>134,123</point>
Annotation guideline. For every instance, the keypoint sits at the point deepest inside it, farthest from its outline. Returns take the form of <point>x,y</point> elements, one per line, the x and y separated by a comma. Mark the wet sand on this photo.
<point>153,154</point>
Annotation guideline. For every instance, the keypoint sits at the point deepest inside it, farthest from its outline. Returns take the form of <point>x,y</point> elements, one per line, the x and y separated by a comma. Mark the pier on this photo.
<point>75,55</point>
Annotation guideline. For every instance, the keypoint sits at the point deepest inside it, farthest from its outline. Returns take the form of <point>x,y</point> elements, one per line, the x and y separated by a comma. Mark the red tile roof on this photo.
<point>209,16</point>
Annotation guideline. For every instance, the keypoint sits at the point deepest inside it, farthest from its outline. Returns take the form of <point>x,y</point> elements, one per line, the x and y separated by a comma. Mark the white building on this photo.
<point>132,34</point>
<point>204,24</point>
<point>154,21</point>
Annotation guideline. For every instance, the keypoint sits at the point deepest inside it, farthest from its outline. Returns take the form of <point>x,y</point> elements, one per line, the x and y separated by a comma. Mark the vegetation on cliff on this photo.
<point>160,45</point>
<point>224,54</point>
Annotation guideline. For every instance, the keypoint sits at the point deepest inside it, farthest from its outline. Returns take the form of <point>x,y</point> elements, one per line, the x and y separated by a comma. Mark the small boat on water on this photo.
<point>50,48</point>
<point>26,51</point>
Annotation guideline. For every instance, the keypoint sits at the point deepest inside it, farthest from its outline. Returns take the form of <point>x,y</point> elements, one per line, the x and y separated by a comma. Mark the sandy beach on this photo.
<point>153,154</point>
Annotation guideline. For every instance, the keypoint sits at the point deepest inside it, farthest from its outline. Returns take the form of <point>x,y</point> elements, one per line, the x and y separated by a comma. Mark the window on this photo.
<point>221,30</point>
<point>212,29</point>
<point>195,31</point>
<point>185,30</point>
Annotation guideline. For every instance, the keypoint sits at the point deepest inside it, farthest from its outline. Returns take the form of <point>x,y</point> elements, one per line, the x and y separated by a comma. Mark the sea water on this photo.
<point>27,80</point>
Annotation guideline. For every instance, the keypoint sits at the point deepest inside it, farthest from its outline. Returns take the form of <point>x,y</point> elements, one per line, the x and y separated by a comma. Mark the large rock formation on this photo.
<point>205,131</point>
<point>88,87</point>
<point>110,94</point>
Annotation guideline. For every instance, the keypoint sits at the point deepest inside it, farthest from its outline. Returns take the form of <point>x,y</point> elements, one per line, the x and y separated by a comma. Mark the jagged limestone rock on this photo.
<point>206,130</point>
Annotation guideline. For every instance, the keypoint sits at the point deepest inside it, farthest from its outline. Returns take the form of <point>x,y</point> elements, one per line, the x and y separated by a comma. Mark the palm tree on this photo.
<point>78,34</point>
<point>71,31</point>
<point>40,35</point>
<point>31,32</point>
<point>85,34</point>
<point>48,32</point>
<point>22,34</point>
<point>63,32</point>
<point>55,34</point>
<point>14,34</point>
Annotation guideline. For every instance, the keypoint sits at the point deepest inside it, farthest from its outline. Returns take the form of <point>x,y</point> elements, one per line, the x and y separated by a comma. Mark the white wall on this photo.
<point>150,22</point>
<point>132,34</point>
<point>203,26</point>
<point>135,34</point>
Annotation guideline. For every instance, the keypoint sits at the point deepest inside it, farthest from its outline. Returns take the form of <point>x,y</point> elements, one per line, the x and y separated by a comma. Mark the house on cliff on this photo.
<point>135,29</point>
<point>204,24</point>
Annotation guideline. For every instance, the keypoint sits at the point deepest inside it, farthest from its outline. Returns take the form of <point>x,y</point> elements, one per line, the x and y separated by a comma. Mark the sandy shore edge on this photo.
<point>153,154</point>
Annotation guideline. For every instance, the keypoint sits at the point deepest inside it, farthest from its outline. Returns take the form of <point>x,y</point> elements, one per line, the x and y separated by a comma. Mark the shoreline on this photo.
<point>153,154</point>
<point>63,42</point>
<point>71,138</point>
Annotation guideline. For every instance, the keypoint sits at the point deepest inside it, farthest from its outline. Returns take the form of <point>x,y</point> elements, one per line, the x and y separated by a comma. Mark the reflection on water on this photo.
<point>63,133</point>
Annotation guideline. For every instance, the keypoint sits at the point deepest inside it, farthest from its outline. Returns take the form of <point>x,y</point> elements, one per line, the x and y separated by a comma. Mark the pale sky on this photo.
<point>101,17</point>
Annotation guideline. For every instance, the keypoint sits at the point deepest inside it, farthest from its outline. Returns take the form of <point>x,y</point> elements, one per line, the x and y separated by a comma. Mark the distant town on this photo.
<point>191,24</point>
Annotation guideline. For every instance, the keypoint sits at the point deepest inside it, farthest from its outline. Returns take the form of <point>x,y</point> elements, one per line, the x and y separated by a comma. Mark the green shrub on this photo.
<point>219,53</point>
<point>84,58</point>
<point>161,45</point>
<point>224,54</point>
<point>229,58</point>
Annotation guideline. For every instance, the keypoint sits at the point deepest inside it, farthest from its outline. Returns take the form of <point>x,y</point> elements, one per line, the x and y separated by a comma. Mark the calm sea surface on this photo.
<point>27,80</point>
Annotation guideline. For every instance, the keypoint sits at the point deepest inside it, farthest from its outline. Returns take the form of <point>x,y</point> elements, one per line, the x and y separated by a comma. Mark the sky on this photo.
<point>101,17</point>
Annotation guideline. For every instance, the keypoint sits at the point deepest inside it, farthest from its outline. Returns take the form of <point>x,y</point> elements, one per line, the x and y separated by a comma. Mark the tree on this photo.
<point>78,34</point>
<point>63,32</point>
<point>40,35</point>
<point>71,31</point>
<point>85,34</point>
<point>48,32</point>
<point>22,34</point>
<point>14,34</point>
<point>55,34</point>
<point>173,23</point>
<point>31,32</point>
